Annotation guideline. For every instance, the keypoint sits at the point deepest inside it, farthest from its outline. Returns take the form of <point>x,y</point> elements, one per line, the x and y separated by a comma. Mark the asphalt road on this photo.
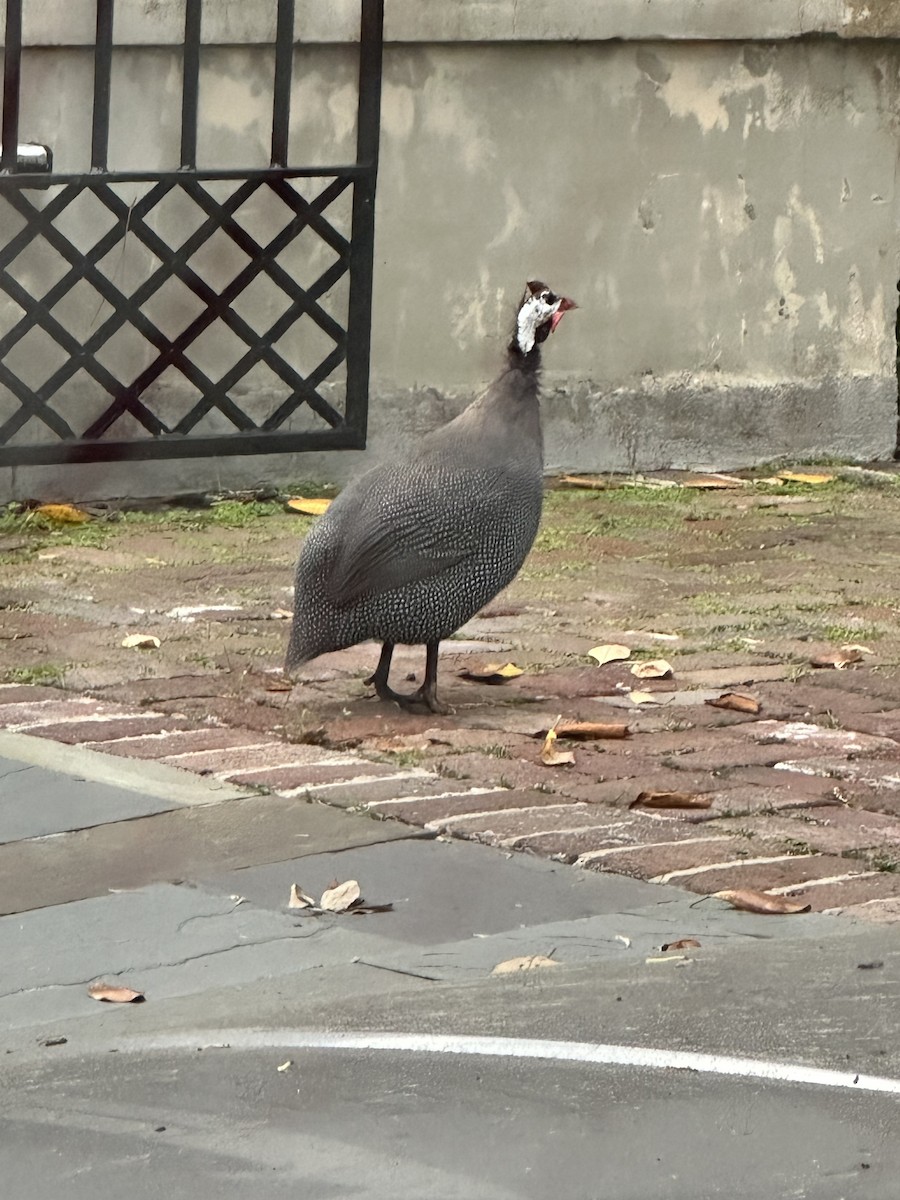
<point>259,1065</point>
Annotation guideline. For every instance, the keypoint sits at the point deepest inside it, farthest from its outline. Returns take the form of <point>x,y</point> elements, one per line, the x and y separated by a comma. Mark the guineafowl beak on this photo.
<point>564,305</point>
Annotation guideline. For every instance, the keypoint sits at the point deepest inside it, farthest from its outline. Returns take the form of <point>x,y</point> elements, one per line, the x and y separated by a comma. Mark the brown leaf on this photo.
<point>837,658</point>
<point>654,668</point>
<point>681,944</point>
<point>114,994</point>
<point>609,653</point>
<point>340,896</point>
<point>279,685</point>
<point>590,730</point>
<point>528,962</point>
<point>761,902</point>
<point>141,641</point>
<point>492,672</point>
<point>300,899</point>
<point>671,800</point>
<point>309,507</point>
<point>550,756</point>
<point>65,514</point>
<point>737,702</point>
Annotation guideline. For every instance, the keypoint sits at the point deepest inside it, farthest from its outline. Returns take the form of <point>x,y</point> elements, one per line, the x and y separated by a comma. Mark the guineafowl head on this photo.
<point>539,313</point>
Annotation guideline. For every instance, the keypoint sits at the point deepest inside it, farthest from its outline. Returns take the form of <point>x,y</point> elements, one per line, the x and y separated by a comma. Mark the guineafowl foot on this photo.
<point>423,697</point>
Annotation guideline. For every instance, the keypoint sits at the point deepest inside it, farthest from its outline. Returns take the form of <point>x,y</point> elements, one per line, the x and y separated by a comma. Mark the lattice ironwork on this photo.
<point>45,348</point>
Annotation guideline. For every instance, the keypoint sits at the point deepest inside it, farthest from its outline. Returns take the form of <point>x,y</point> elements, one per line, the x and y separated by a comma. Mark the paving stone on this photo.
<point>290,778</point>
<point>106,729</point>
<point>833,830</point>
<point>788,872</point>
<point>657,860</point>
<point>263,754</point>
<point>22,714</point>
<point>802,735</point>
<point>176,741</point>
<point>364,795</point>
<point>741,675</point>
<point>27,693</point>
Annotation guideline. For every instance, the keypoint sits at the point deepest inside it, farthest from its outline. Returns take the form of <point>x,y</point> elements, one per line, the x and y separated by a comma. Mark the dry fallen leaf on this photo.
<point>280,614</point>
<point>590,730</point>
<point>643,698</point>
<point>675,958</point>
<point>626,941</point>
<point>65,514</point>
<point>493,672</point>
<point>529,962</point>
<point>713,481</point>
<point>340,896</point>
<point>114,994</point>
<point>141,641</point>
<point>609,653</point>
<point>761,902</point>
<point>837,658</point>
<point>310,507</point>
<point>285,1066</point>
<point>671,800</point>
<point>805,477</point>
<point>550,756</point>
<point>595,483</point>
<point>299,898</point>
<point>654,668</point>
<point>681,944</point>
<point>737,702</point>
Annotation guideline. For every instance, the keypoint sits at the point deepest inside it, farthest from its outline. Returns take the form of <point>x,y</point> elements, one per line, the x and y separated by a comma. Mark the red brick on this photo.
<point>883,885</point>
<point>762,876</point>
<point>281,779</point>
<point>24,693</point>
<point>432,809</point>
<point>648,861</point>
<point>107,730</point>
<point>61,708</point>
<point>262,754</point>
<point>832,830</point>
<point>177,742</point>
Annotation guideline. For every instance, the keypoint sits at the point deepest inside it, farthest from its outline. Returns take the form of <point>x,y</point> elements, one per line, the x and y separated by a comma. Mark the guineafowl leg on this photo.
<point>425,695</point>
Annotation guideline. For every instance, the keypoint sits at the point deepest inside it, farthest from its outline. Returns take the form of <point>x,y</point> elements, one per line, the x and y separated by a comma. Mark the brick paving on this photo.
<point>803,797</point>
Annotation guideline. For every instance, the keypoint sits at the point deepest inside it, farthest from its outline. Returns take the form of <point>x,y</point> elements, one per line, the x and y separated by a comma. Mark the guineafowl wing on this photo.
<point>406,528</point>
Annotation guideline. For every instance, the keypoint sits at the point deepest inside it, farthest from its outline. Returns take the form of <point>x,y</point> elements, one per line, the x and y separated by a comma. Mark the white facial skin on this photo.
<point>534,312</point>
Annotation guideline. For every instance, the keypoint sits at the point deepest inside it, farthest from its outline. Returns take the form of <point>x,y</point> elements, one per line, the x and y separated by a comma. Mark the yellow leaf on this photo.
<point>311,507</point>
<point>609,653</point>
<point>594,483</point>
<point>713,482</point>
<point>642,698</point>
<point>805,477</point>
<point>493,672</point>
<point>64,513</point>
<point>141,641</point>
<point>550,756</point>
<point>656,668</point>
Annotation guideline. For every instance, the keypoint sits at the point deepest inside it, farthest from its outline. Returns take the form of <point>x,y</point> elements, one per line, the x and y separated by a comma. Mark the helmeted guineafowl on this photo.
<point>414,548</point>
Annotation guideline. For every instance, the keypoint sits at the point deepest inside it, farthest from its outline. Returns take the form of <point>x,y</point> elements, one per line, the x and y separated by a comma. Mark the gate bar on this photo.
<point>102,71</point>
<point>359,303</point>
<point>281,98</point>
<point>190,84</point>
<point>12,53</point>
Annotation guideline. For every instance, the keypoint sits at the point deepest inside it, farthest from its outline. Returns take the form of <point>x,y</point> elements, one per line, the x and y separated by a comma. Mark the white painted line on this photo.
<point>590,855</point>
<point>476,791</point>
<point>598,1053</point>
<point>812,883</point>
<point>732,862</point>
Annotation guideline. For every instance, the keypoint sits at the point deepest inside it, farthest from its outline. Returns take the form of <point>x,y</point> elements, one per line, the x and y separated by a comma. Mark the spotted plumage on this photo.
<point>413,548</point>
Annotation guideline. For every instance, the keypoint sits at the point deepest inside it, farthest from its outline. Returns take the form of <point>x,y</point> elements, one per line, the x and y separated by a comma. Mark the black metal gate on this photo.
<point>40,423</point>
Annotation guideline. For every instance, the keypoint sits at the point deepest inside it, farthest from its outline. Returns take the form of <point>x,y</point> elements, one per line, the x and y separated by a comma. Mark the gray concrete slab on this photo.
<point>187,843</point>
<point>165,940</point>
<point>35,802</point>
<point>443,891</point>
<point>144,776</point>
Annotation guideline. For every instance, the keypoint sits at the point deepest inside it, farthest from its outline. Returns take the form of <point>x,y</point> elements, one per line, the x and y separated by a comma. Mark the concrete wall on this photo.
<point>714,182</point>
